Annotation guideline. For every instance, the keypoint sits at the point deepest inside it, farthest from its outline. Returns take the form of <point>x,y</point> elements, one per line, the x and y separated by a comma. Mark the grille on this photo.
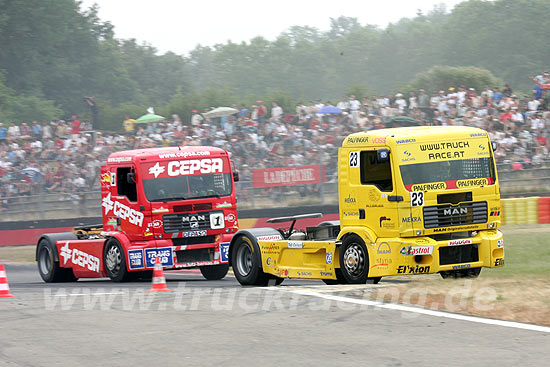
<point>193,240</point>
<point>458,254</point>
<point>197,255</point>
<point>455,215</point>
<point>186,222</point>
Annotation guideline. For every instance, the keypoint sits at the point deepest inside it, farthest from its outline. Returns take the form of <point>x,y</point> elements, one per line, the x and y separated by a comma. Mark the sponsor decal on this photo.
<point>329,258</point>
<point>192,166</point>
<point>500,243</point>
<point>224,252</point>
<point>482,147</point>
<point>477,134</point>
<point>135,258</point>
<point>446,155</point>
<point>148,232</point>
<point>304,273</point>
<point>272,237</point>
<point>270,249</point>
<point>411,219</point>
<point>461,266</point>
<point>80,258</point>
<point>408,157</point>
<point>381,266</point>
<point>295,244</point>
<point>230,217</point>
<point>164,253</point>
<point>349,200</point>
<point>111,221</point>
<point>157,223</point>
<point>379,140</point>
<point>499,262</point>
<point>494,213</point>
<point>160,210</point>
<point>429,186</point>
<point>119,159</point>
<point>454,229</point>
<point>269,261</point>
<point>416,250</point>
<point>472,182</point>
<point>382,221</point>
<point>445,145</point>
<point>384,248</point>
<point>326,274</point>
<point>351,214</point>
<point>404,141</point>
<point>225,204</point>
<point>180,154</point>
<point>357,140</point>
<point>382,263</point>
<point>193,233</point>
<point>408,269</point>
<point>122,211</point>
<point>466,241</point>
<point>106,179</point>
<point>156,170</point>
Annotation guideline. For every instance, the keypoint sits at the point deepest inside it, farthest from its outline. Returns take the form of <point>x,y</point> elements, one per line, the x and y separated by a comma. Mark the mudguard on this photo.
<point>51,239</point>
<point>255,234</point>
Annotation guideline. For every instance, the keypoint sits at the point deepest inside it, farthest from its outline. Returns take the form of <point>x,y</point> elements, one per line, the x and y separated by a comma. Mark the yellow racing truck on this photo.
<point>412,200</point>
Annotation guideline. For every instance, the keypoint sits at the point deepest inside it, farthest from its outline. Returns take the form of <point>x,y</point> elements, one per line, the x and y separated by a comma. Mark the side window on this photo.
<point>374,172</point>
<point>125,185</point>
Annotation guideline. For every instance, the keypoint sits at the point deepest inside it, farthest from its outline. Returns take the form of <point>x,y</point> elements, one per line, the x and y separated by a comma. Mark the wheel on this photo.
<point>354,260</point>
<point>246,260</point>
<point>49,270</point>
<point>373,280</point>
<point>214,272</point>
<point>115,262</point>
<point>461,273</point>
<point>339,278</point>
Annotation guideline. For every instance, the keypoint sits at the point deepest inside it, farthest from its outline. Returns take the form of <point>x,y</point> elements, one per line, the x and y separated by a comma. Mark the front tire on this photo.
<point>246,261</point>
<point>214,272</point>
<point>354,260</point>
<point>115,262</point>
<point>49,269</point>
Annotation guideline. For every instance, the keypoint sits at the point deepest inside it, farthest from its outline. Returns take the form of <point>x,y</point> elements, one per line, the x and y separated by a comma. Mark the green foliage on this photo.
<point>56,51</point>
<point>443,77</point>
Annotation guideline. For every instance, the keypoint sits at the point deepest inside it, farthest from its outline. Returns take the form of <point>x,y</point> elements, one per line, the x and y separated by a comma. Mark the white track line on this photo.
<point>423,311</point>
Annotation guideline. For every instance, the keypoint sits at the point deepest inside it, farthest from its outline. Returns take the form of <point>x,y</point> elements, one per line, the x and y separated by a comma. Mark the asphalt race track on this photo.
<point>97,322</point>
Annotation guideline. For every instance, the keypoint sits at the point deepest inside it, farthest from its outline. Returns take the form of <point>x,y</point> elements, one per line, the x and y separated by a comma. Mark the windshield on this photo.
<point>449,172</point>
<point>188,187</point>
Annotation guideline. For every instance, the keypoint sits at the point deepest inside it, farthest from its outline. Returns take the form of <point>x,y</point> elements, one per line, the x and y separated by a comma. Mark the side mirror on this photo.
<point>235,176</point>
<point>131,178</point>
<point>382,155</point>
<point>494,145</point>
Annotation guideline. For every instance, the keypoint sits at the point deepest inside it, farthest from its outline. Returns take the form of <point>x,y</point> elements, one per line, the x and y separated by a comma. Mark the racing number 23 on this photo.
<point>354,159</point>
<point>417,198</point>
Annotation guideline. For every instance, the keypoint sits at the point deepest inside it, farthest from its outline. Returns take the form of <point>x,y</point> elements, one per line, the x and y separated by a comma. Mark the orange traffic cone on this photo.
<point>4,287</point>
<point>159,282</point>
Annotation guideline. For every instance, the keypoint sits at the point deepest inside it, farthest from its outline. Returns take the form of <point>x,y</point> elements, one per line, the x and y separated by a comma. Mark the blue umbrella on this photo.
<point>330,110</point>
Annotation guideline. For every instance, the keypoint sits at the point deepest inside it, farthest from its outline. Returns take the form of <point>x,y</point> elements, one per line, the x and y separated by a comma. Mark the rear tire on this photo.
<point>115,262</point>
<point>214,272</point>
<point>246,261</point>
<point>354,260</point>
<point>49,269</point>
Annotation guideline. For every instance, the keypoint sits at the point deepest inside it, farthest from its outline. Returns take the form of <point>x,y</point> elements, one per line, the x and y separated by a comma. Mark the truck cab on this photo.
<point>412,200</point>
<point>176,203</point>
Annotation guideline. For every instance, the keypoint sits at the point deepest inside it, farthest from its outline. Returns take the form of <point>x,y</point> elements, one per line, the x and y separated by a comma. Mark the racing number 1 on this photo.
<point>417,198</point>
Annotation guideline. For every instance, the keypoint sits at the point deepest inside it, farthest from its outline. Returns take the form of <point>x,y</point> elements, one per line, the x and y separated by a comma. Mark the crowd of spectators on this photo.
<point>65,156</point>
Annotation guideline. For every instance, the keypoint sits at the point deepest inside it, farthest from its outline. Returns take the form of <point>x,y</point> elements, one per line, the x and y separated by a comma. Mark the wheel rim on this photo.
<point>244,259</point>
<point>113,260</point>
<point>45,260</point>
<point>354,260</point>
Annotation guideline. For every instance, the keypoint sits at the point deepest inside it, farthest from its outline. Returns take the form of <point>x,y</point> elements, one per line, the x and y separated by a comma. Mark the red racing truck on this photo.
<point>175,203</point>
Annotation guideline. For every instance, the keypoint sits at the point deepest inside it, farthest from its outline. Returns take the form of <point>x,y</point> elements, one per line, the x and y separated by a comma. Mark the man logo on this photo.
<point>455,211</point>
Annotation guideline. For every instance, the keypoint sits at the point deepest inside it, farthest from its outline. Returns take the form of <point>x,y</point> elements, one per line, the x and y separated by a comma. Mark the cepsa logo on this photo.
<point>188,167</point>
<point>122,211</point>
<point>79,258</point>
